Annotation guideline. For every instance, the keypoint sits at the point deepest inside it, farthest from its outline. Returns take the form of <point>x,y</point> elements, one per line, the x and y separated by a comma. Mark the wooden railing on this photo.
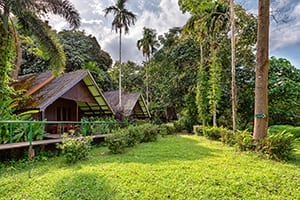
<point>82,128</point>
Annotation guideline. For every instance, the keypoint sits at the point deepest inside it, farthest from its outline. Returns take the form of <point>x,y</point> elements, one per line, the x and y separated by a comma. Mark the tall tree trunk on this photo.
<point>147,80</point>
<point>202,64</point>
<point>6,53</point>
<point>233,80</point>
<point>262,65</point>
<point>120,70</point>
<point>18,59</point>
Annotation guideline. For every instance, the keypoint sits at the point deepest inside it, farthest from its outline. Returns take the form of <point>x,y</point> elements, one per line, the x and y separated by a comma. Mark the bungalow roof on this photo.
<point>132,104</point>
<point>42,89</point>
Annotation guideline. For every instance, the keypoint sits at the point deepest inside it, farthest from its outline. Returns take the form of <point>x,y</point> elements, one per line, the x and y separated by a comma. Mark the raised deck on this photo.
<point>39,142</point>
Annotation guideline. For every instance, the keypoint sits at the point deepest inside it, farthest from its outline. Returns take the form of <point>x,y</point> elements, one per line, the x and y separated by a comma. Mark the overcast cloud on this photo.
<point>162,15</point>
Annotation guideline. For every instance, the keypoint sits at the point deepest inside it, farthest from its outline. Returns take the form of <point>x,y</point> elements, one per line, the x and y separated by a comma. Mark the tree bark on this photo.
<point>18,58</point>
<point>262,65</point>
<point>233,80</point>
<point>120,70</point>
<point>147,80</point>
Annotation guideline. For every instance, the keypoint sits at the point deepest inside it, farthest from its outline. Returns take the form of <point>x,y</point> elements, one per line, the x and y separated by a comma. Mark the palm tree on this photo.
<point>148,44</point>
<point>122,19</point>
<point>27,14</point>
<point>209,26</point>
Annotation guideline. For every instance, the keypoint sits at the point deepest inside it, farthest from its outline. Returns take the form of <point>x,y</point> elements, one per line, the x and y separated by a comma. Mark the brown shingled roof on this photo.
<point>46,91</point>
<point>133,104</point>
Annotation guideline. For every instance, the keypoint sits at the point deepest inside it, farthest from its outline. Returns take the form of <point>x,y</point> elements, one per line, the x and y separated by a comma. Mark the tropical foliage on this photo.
<point>148,45</point>
<point>27,15</point>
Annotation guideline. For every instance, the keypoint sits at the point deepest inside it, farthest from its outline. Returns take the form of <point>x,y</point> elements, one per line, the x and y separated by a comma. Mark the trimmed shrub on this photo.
<point>150,132</point>
<point>277,146</point>
<point>178,125</point>
<point>198,130</point>
<point>75,149</point>
<point>116,141</point>
<point>212,132</point>
<point>167,129</point>
<point>228,137</point>
<point>185,124</point>
<point>244,140</point>
<point>133,135</point>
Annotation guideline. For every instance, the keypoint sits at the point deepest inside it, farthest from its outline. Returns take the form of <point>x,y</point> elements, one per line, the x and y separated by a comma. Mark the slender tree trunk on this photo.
<point>5,52</point>
<point>215,114</point>
<point>233,80</point>
<point>18,59</point>
<point>262,65</point>
<point>202,64</point>
<point>120,70</point>
<point>147,80</point>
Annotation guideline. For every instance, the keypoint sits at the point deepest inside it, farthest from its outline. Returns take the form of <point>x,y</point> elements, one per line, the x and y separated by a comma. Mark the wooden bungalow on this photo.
<point>68,97</point>
<point>133,105</point>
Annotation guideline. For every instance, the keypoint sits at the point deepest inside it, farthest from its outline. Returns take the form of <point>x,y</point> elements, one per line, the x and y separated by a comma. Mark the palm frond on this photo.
<point>63,8</point>
<point>47,39</point>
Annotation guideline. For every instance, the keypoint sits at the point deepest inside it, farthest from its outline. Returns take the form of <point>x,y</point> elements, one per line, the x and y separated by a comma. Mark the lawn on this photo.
<point>174,167</point>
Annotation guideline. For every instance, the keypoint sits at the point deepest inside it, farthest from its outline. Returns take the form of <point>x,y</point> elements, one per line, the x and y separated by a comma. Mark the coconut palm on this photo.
<point>27,14</point>
<point>148,44</point>
<point>123,18</point>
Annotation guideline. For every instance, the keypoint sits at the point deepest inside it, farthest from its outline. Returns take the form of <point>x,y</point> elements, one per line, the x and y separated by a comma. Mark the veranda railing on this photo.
<point>86,128</point>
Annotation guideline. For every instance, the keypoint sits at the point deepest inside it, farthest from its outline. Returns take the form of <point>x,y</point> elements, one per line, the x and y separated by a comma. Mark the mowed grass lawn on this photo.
<point>174,167</point>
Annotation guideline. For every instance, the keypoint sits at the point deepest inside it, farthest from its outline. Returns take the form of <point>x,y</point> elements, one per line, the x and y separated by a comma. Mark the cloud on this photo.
<point>287,32</point>
<point>160,15</point>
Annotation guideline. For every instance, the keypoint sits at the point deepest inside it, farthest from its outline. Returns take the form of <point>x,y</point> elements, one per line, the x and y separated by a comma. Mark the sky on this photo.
<point>162,15</point>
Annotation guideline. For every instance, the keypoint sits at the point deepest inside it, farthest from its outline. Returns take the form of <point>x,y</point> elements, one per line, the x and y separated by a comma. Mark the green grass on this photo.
<point>175,167</point>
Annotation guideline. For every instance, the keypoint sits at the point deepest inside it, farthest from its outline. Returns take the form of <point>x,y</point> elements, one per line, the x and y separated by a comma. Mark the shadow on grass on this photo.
<point>82,186</point>
<point>173,148</point>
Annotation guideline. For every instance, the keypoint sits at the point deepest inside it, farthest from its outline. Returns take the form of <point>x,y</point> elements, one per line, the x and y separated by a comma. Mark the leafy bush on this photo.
<point>20,132</point>
<point>212,132</point>
<point>133,135</point>
<point>178,125</point>
<point>185,123</point>
<point>167,129</point>
<point>277,146</point>
<point>150,132</point>
<point>96,125</point>
<point>116,141</point>
<point>130,136</point>
<point>198,130</point>
<point>244,140</point>
<point>228,137</point>
<point>288,128</point>
<point>75,149</point>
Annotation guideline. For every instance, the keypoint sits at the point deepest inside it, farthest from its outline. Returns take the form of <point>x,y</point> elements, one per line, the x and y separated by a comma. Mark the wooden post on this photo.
<point>31,153</point>
<point>30,150</point>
